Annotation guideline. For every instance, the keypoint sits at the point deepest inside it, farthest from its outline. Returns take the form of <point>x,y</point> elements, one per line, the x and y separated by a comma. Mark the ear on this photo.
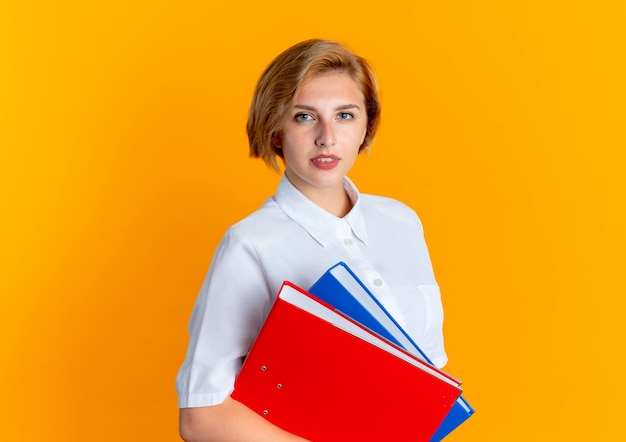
<point>276,141</point>
<point>277,144</point>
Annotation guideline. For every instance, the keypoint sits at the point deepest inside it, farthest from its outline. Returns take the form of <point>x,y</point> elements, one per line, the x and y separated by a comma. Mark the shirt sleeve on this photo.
<point>432,340</point>
<point>228,313</point>
<point>426,319</point>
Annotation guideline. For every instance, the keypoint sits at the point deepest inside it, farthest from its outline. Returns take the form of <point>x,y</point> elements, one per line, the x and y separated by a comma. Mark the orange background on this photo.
<point>124,159</point>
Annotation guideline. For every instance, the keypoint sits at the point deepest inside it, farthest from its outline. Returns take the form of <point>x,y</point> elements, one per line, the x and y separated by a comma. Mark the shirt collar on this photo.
<point>320,224</point>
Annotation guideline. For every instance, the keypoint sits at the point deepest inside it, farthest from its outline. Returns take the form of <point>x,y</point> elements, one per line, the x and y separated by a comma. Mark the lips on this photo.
<point>325,162</point>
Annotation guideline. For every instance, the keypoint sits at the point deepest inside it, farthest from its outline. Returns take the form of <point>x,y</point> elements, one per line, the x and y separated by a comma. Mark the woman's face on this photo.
<point>323,133</point>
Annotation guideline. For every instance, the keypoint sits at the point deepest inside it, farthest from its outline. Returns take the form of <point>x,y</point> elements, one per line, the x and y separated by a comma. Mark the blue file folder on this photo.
<point>342,289</point>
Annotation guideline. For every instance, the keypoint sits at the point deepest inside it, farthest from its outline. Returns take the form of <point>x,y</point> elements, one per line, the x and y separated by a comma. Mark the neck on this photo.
<point>339,206</point>
<point>334,200</point>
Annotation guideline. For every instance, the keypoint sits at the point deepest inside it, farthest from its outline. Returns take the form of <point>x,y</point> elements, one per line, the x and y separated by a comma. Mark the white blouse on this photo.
<point>291,238</point>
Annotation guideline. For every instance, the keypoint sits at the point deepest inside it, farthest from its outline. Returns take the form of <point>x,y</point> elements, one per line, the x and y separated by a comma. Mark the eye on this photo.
<point>345,116</point>
<point>303,117</point>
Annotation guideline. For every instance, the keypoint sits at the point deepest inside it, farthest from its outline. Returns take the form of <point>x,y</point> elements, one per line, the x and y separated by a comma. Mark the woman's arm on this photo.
<point>229,421</point>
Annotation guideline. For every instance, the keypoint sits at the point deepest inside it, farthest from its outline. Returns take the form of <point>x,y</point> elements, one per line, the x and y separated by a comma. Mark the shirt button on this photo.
<point>347,241</point>
<point>378,282</point>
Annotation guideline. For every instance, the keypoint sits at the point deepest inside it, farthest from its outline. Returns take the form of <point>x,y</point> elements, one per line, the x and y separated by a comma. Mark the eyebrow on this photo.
<point>342,107</point>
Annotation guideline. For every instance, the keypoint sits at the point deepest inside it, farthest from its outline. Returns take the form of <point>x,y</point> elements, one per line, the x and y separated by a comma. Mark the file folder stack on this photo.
<point>331,364</point>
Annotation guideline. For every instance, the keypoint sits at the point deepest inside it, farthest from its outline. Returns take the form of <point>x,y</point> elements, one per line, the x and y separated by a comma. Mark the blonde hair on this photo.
<point>283,78</point>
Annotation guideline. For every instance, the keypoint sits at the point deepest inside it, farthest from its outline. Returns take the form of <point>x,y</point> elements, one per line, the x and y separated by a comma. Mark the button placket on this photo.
<point>381,292</point>
<point>344,234</point>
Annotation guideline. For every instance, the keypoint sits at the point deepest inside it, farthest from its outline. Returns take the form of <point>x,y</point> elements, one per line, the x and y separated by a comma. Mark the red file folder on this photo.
<point>318,374</point>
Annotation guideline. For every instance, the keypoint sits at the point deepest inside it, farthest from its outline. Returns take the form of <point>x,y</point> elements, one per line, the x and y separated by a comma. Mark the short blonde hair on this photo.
<point>283,78</point>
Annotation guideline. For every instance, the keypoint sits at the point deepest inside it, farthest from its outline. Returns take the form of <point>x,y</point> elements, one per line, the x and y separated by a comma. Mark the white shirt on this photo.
<point>291,238</point>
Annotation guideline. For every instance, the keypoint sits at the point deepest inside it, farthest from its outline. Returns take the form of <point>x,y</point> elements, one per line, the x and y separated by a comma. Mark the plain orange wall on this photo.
<point>124,159</point>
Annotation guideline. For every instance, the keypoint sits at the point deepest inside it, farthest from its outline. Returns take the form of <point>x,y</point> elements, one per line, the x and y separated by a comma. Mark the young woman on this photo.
<point>316,108</point>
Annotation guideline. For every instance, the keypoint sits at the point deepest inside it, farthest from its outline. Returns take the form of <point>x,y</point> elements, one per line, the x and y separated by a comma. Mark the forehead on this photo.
<point>329,86</point>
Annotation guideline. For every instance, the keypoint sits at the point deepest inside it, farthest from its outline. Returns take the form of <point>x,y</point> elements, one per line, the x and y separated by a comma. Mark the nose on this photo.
<point>325,135</point>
